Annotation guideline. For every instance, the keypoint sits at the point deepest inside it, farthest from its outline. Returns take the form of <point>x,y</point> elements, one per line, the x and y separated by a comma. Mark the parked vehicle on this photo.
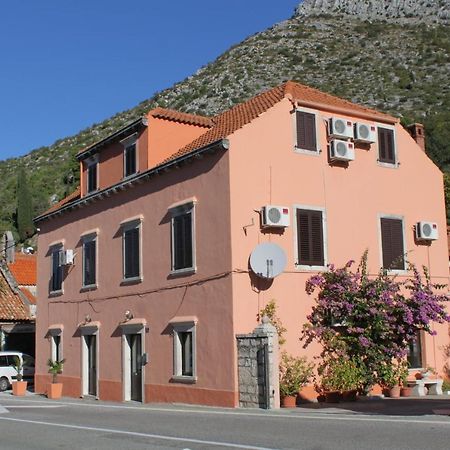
<point>8,373</point>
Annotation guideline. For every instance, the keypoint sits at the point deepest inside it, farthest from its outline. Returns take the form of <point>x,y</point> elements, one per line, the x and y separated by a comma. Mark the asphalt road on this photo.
<point>34,422</point>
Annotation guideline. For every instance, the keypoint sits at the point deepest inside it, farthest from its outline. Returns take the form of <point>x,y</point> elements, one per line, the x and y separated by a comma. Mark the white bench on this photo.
<point>434,387</point>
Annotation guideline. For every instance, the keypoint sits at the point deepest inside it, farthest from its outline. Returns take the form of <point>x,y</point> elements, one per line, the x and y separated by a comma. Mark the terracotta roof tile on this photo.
<point>178,116</point>
<point>238,116</point>
<point>66,200</point>
<point>24,269</point>
<point>29,295</point>
<point>11,306</point>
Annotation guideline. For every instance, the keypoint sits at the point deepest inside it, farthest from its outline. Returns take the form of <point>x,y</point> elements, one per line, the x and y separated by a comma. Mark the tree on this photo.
<point>370,320</point>
<point>24,214</point>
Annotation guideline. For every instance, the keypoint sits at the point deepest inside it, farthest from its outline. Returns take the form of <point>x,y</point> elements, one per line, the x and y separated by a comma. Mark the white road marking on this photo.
<point>34,406</point>
<point>3,410</point>
<point>145,435</point>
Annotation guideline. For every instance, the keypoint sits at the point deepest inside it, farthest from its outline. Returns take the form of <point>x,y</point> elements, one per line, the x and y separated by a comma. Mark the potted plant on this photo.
<point>392,376</point>
<point>294,374</point>
<point>405,389</point>
<point>19,386</point>
<point>54,390</point>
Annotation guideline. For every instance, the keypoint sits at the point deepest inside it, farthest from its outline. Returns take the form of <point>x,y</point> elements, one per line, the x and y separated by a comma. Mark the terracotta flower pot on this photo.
<point>394,392</point>
<point>19,388</point>
<point>406,391</point>
<point>289,401</point>
<point>54,390</point>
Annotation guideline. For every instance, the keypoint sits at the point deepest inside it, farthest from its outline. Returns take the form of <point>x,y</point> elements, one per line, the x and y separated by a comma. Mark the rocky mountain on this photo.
<point>406,11</point>
<point>399,64</point>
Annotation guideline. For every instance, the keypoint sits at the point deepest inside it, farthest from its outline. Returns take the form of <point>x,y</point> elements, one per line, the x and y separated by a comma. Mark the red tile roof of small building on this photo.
<point>24,269</point>
<point>12,307</point>
<point>29,295</point>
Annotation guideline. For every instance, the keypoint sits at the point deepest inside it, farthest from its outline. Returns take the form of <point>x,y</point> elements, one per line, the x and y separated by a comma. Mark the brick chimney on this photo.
<point>417,131</point>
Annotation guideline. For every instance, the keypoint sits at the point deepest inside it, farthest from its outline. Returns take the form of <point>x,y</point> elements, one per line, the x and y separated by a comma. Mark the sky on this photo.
<point>67,64</point>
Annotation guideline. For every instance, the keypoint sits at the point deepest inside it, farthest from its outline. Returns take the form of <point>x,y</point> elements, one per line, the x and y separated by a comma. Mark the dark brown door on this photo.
<point>91,342</point>
<point>136,366</point>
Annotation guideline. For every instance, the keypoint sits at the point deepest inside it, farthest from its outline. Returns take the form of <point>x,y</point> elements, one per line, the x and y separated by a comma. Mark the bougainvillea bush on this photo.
<point>370,319</point>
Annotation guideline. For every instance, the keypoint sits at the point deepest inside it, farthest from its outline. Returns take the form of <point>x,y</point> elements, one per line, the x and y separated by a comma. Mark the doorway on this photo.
<point>91,343</point>
<point>135,367</point>
<point>89,359</point>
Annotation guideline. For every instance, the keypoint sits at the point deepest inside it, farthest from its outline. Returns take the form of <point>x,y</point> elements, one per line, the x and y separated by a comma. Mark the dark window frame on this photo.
<point>57,271</point>
<point>306,138</point>
<point>392,240</point>
<point>92,177</point>
<point>387,151</point>
<point>132,242</point>
<point>310,234</point>
<point>130,167</point>
<point>183,257</point>
<point>89,261</point>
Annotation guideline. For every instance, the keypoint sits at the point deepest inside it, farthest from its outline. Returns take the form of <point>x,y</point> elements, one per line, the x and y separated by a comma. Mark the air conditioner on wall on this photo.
<point>66,257</point>
<point>365,132</point>
<point>275,216</point>
<point>341,127</point>
<point>341,150</point>
<point>427,231</point>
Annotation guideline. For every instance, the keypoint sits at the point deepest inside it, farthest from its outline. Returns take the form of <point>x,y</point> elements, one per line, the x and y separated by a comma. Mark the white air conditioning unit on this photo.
<point>275,216</point>
<point>66,257</point>
<point>427,231</point>
<point>365,132</point>
<point>341,127</point>
<point>342,150</point>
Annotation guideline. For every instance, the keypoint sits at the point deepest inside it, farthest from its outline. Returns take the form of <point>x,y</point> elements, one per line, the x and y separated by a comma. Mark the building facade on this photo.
<point>144,278</point>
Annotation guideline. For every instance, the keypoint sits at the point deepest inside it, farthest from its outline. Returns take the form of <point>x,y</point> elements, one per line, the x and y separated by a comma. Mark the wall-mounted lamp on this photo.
<point>128,315</point>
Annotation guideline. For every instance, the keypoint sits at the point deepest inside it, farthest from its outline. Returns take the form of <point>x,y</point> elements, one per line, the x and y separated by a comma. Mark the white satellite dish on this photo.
<point>268,260</point>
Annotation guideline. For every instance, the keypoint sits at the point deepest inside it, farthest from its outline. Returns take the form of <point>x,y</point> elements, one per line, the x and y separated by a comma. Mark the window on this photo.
<point>184,350</point>
<point>92,177</point>
<point>130,160</point>
<point>57,269</point>
<point>386,145</point>
<point>306,138</point>
<point>415,352</point>
<point>183,257</point>
<point>131,250</point>
<point>55,350</point>
<point>89,260</point>
<point>392,243</point>
<point>3,361</point>
<point>310,237</point>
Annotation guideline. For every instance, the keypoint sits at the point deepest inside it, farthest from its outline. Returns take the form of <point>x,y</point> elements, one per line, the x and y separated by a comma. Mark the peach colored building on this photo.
<point>143,274</point>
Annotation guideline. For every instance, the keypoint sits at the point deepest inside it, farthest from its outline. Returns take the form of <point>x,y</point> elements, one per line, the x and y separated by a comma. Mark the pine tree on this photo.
<point>24,216</point>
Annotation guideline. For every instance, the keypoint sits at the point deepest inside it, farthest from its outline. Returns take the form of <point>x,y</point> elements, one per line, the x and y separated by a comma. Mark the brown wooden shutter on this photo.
<point>386,146</point>
<point>310,238</point>
<point>392,244</point>
<point>306,131</point>
<point>182,236</point>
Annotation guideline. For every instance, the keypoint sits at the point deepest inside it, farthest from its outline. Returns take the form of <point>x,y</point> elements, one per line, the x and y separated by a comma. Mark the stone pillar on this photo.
<point>258,363</point>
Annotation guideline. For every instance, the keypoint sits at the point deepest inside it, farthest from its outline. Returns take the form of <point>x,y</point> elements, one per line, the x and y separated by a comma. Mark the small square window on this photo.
<point>310,238</point>
<point>306,133</point>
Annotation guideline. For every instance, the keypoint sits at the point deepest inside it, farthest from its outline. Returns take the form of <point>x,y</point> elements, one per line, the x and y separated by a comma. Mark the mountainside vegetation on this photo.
<point>400,67</point>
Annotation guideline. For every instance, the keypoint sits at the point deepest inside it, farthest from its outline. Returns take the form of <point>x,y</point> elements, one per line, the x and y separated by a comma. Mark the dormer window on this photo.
<point>92,175</point>
<point>130,166</point>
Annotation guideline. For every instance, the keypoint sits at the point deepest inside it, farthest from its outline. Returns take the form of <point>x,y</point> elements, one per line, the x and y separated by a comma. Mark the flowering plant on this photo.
<point>294,374</point>
<point>371,320</point>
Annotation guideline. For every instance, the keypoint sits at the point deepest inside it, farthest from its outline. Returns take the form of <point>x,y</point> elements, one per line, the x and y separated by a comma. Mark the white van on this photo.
<point>8,373</point>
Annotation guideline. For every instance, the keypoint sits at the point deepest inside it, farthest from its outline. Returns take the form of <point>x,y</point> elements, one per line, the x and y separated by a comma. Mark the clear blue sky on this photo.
<point>66,64</point>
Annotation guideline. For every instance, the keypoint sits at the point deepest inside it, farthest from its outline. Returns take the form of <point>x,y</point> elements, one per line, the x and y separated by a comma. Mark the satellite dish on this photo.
<point>268,260</point>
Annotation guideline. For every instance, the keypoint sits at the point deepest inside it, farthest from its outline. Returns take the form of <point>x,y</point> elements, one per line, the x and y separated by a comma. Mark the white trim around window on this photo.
<point>54,251</point>
<point>129,225</point>
<point>55,333</point>
<point>88,239</point>
<point>184,359</point>
<point>388,165</point>
<point>302,267</point>
<point>380,242</point>
<point>126,143</point>
<point>190,266</point>
<point>318,119</point>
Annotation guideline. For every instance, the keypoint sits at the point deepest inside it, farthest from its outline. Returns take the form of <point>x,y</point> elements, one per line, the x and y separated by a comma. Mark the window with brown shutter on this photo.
<point>310,238</point>
<point>306,131</point>
<point>392,244</point>
<point>386,145</point>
